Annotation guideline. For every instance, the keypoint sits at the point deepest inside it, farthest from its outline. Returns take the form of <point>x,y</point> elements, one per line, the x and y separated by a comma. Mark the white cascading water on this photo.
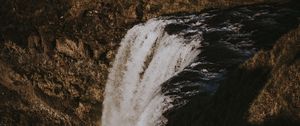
<point>147,57</point>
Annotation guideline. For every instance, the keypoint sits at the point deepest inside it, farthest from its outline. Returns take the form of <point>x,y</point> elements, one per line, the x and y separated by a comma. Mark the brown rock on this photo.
<point>71,48</point>
<point>62,81</point>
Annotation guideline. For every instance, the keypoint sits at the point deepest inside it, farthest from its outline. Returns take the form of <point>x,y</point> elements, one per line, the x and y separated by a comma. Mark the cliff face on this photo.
<point>54,55</point>
<point>278,101</point>
<point>263,91</point>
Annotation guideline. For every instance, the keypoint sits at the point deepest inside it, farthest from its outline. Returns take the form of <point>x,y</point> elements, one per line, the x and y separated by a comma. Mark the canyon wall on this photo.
<point>55,54</point>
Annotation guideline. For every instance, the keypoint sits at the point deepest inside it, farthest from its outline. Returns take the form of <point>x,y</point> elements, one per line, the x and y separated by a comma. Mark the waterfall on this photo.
<point>147,57</point>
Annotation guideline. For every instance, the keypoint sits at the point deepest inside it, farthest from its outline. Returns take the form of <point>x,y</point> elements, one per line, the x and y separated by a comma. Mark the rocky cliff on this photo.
<point>55,54</point>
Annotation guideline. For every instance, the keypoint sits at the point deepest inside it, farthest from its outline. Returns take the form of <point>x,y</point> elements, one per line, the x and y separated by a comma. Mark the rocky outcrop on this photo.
<point>55,54</point>
<point>62,89</point>
<point>278,101</point>
<point>263,91</point>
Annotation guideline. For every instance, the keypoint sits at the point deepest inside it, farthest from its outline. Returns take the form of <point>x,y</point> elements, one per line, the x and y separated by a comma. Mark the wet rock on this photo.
<point>175,28</point>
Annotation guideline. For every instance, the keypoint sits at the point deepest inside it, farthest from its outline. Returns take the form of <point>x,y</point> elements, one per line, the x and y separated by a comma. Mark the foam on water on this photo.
<point>147,57</point>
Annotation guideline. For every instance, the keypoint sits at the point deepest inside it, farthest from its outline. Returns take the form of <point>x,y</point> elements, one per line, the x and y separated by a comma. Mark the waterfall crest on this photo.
<point>147,57</point>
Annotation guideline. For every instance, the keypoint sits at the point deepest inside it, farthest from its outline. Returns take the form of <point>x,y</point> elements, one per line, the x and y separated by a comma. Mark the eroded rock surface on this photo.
<point>55,54</point>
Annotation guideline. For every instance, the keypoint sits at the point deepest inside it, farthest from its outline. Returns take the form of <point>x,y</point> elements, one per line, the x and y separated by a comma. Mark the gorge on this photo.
<point>163,63</point>
<point>150,62</point>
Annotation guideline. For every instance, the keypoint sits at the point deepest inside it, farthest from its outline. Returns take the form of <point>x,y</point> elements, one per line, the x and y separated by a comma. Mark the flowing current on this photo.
<point>147,57</point>
<point>159,67</point>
